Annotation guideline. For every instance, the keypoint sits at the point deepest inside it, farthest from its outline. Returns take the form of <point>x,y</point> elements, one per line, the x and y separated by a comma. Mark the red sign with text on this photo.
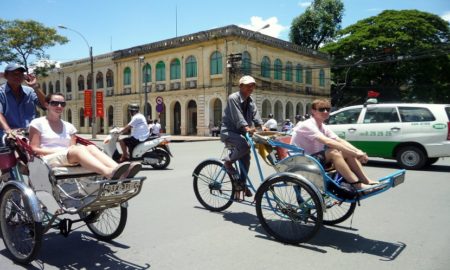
<point>88,103</point>
<point>99,104</point>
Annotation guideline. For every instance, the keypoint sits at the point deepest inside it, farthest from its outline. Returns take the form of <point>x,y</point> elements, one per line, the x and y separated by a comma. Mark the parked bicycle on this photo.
<point>296,200</point>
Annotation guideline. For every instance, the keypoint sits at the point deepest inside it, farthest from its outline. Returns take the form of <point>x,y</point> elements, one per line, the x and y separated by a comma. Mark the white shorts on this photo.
<point>58,159</point>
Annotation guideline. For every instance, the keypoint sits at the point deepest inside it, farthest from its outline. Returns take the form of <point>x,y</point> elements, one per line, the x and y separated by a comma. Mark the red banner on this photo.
<point>88,103</point>
<point>99,104</point>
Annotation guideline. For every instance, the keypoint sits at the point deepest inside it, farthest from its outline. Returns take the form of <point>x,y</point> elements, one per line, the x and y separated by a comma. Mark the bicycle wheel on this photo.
<point>21,234</point>
<point>106,224</point>
<point>337,211</point>
<point>212,186</point>
<point>285,207</point>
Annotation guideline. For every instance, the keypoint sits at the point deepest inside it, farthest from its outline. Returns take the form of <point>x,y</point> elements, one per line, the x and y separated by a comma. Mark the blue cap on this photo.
<point>12,67</point>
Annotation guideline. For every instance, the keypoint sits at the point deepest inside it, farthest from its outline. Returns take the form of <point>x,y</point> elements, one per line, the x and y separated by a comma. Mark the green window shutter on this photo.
<point>160,71</point>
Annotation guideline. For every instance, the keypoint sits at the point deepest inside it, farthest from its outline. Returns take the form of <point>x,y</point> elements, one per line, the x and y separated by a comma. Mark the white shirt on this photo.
<point>139,127</point>
<point>271,123</point>
<point>51,139</point>
<point>156,128</point>
<point>305,136</point>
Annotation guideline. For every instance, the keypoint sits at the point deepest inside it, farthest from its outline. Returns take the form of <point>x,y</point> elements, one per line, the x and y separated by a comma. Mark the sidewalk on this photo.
<point>173,138</point>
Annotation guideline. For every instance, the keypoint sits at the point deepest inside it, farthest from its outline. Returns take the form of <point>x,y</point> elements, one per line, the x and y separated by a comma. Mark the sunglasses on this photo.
<point>56,103</point>
<point>323,109</point>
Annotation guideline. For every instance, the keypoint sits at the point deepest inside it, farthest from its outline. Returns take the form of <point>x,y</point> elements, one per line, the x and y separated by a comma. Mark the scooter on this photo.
<point>154,151</point>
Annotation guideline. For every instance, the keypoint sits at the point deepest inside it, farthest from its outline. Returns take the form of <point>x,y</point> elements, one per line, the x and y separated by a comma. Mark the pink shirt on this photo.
<point>305,134</point>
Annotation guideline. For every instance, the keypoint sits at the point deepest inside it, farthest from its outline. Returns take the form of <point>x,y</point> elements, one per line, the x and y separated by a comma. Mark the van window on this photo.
<point>381,115</point>
<point>345,117</point>
<point>415,114</point>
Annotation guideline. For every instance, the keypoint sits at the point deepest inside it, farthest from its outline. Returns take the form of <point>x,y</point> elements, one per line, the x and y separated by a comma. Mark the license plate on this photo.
<point>121,187</point>
<point>399,179</point>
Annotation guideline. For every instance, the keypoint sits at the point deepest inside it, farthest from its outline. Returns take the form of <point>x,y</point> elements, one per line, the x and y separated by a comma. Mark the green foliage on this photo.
<point>318,25</point>
<point>21,39</point>
<point>403,54</point>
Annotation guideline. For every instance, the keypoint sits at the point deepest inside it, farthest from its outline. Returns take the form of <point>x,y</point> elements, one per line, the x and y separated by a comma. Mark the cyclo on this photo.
<point>99,203</point>
<point>293,202</point>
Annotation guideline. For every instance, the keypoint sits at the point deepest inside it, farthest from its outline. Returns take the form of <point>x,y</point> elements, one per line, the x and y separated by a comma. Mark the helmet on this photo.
<point>133,107</point>
<point>270,115</point>
<point>298,117</point>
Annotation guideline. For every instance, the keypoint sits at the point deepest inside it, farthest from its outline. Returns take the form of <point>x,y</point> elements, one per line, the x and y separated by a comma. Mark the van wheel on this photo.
<point>411,157</point>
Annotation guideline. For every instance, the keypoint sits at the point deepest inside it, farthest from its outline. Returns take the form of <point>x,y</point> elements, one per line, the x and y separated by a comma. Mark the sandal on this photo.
<point>135,168</point>
<point>120,171</point>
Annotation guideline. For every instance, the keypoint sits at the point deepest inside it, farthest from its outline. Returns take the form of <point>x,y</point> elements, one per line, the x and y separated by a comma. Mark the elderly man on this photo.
<point>239,116</point>
<point>18,102</point>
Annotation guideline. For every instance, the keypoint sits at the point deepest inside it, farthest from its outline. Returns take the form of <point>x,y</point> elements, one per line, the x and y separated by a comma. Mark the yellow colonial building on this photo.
<point>188,79</point>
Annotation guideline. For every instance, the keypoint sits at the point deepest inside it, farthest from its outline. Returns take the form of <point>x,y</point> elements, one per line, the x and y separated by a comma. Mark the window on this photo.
<point>246,67</point>
<point>81,117</point>
<point>68,85</point>
<point>414,114</point>
<point>265,67</point>
<point>109,78</point>
<point>308,76</point>
<point>50,88</point>
<point>147,73</point>
<point>175,69</point>
<point>191,67</point>
<point>89,81</point>
<point>57,86</point>
<point>345,117</point>
<point>288,75</point>
<point>322,78</point>
<point>216,63</point>
<point>127,76</point>
<point>299,74</point>
<point>44,88</point>
<point>278,67</point>
<point>99,80</point>
<point>80,83</point>
<point>381,115</point>
<point>160,71</point>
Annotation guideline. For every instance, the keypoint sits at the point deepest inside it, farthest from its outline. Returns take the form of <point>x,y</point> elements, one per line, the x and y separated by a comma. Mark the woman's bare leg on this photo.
<point>80,154</point>
<point>102,157</point>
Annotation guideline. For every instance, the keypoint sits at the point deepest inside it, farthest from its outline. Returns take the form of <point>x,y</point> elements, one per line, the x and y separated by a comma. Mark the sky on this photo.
<point>109,25</point>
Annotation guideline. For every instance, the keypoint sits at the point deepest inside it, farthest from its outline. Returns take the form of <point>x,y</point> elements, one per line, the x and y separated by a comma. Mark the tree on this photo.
<point>21,39</point>
<point>318,25</point>
<point>402,54</point>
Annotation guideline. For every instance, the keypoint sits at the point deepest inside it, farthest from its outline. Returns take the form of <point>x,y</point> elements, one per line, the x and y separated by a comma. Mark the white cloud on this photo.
<point>304,4</point>
<point>256,23</point>
<point>446,16</point>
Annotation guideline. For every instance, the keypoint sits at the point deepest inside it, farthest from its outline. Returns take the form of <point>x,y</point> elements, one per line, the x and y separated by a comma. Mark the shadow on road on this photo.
<point>79,251</point>
<point>341,238</point>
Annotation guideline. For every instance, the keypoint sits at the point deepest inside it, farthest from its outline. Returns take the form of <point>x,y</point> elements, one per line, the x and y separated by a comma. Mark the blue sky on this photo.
<point>111,25</point>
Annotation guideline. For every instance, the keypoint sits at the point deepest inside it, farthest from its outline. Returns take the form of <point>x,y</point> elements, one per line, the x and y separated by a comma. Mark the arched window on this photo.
<point>50,88</point>
<point>68,85</point>
<point>89,81</point>
<point>308,76</point>
<point>69,115</point>
<point>288,74</point>
<point>80,83</point>
<point>44,88</point>
<point>110,116</point>
<point>175,69</point>
<point>127,76</point>
<point>265,67</point>
<point>99,80</point>
<point>160,71</point>
<point>278,67</point>
<point>191,67</point>
<point>81,117</point>
<point>147,72</point>
<point>322,78</point>
<point>57,86</point>
<point>299,74</point>
<point>109,78</point>
<point>246,67</point>
<point>216,63</point>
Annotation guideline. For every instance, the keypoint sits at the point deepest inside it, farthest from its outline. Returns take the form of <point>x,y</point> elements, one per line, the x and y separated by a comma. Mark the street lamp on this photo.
<point>93,98</point>
<point>254,33</point>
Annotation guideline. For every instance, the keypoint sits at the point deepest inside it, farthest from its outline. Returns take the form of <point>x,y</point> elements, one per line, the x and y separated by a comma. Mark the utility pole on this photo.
<point>231,66</point>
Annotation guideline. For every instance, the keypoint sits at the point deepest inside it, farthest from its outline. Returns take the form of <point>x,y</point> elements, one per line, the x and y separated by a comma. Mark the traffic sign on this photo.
<point>159,100</point>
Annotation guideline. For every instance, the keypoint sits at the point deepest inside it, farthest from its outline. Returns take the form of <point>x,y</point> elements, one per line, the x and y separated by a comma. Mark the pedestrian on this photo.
<point>271,124</point>
<point>240,116</point>
<point>156,130</point>
<point>139,132</point>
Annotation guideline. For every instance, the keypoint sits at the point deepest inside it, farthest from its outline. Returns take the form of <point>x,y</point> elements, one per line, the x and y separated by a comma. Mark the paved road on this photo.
<point>404,228</point>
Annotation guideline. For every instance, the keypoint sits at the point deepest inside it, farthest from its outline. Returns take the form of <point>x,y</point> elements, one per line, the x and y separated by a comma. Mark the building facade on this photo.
<point>187,80</point>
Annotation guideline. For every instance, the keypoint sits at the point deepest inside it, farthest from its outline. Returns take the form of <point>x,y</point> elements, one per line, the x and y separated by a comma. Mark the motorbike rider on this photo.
<point>139,132</point>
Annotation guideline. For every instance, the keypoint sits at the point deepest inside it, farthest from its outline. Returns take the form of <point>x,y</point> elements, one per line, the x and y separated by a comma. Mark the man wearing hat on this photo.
<point>238,118</point>
<point>18,102</point>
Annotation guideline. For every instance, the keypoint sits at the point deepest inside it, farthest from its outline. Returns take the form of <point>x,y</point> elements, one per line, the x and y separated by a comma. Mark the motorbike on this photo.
<point>154,151</point>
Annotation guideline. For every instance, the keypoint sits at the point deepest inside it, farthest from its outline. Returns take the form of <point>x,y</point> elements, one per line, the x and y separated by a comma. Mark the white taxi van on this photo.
<point>414,134</point>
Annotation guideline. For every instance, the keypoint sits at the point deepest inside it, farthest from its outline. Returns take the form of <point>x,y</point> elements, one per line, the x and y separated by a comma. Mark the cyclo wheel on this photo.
<point>285,207</point>
<point>213,186</point>
<point>336,211</point>
<point>106,224</point>
<point>21,234</point>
